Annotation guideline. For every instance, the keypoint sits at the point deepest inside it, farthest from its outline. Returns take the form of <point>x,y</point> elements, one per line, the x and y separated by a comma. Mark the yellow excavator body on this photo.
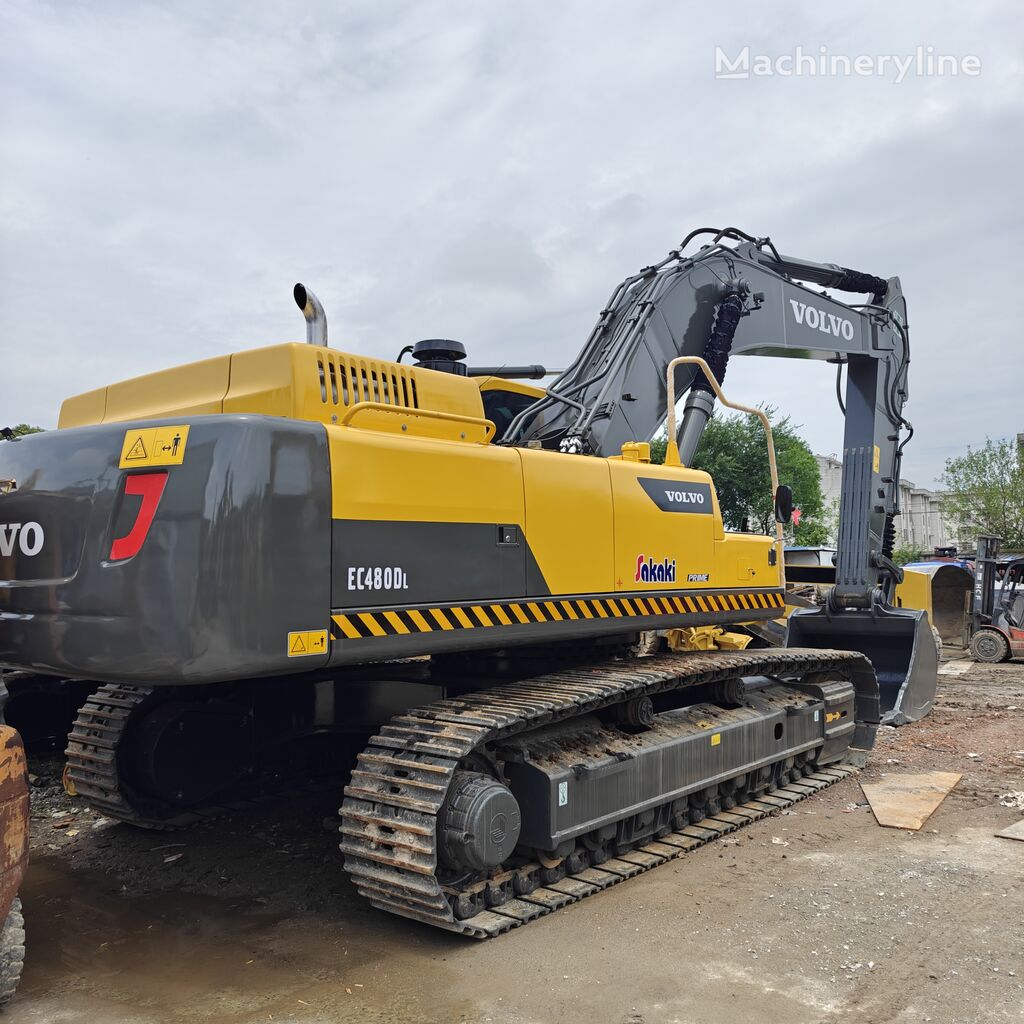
<point>240,555</point>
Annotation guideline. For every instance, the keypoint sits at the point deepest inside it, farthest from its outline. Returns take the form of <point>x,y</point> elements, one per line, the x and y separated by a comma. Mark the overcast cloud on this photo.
<point>489,171</point>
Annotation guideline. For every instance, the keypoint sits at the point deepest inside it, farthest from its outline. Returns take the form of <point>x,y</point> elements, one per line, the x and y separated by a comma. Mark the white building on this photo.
<point>921,524</point>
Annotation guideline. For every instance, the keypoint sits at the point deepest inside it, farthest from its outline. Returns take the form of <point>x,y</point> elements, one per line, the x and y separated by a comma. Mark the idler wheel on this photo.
<point>639,712</point>
<point>479,824</point>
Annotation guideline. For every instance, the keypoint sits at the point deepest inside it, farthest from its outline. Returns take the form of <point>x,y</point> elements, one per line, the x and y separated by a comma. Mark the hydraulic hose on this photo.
<point>855,281</point>
<point>716,351</point>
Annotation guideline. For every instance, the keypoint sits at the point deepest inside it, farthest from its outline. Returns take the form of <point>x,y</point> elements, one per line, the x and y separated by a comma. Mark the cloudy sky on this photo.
<point>488,171</point>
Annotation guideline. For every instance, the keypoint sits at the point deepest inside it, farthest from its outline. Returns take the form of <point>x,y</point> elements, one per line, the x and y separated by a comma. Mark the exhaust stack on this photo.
<point>316,318</point>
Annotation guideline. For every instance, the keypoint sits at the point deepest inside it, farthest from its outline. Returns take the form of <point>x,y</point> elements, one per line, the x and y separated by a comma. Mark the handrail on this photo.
<point>404,410</point>
<point>672,449</point>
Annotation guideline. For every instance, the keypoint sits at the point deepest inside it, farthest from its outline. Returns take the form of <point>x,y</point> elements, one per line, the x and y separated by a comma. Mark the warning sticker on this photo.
<point>303,643</point>
<point>154,446</point>
<point>137,452</point>
<point>716,739</point>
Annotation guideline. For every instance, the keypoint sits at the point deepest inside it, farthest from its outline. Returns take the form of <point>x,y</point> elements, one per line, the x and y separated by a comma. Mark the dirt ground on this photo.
<point>815,915</point>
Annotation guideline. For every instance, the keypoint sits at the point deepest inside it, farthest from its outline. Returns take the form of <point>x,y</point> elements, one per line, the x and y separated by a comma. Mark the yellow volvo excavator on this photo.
<point>227,558</point>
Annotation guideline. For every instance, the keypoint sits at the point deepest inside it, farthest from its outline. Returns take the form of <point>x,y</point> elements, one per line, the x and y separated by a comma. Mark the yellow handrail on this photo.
<point>400,410</point>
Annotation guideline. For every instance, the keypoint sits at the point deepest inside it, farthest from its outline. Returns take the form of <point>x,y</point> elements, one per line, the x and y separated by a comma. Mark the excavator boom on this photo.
<point>746,298</point>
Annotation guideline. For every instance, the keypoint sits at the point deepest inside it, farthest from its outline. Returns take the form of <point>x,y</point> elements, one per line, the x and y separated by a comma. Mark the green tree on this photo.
<point>829,521</point>
<point>658,446</point>
<point>985,491</point>
<point>903,555</point>
<point>20,429</point>
<point>734,451</point>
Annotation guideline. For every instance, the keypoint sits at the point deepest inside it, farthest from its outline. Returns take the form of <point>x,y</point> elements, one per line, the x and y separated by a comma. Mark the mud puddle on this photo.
<point>97,955</point>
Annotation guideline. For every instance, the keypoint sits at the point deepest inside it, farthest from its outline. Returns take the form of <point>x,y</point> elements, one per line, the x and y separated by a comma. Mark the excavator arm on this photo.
<point>738,295</point>
<point>746,299</point>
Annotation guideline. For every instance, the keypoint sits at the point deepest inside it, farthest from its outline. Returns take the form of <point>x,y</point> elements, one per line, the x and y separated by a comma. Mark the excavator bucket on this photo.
<point>946,596</point>
<point>899,643</point>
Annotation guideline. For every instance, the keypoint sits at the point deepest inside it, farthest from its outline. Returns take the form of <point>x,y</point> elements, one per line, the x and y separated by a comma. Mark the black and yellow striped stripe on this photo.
<point>403,621</point>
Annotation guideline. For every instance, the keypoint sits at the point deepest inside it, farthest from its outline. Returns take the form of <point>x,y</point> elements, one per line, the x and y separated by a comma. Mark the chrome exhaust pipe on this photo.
<point>316,318</point>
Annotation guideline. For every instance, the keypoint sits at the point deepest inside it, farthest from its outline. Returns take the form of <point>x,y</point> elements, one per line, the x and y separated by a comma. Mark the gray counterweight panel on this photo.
<point>423,563</point>
<point>238,554</point>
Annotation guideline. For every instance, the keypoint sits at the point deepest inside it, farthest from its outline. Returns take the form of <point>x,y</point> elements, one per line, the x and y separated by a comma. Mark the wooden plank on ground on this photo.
<point>1013,832</point>
<point>954,668</point>
<point>907,801</point>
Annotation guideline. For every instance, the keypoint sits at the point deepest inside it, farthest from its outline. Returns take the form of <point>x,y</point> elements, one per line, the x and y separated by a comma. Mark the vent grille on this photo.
<point>346,382</point>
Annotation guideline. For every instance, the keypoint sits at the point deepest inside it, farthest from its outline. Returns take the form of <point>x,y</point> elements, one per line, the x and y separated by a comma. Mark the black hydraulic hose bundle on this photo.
<point>716,351</point>
<point>889,536</point>
<point>855,281</point>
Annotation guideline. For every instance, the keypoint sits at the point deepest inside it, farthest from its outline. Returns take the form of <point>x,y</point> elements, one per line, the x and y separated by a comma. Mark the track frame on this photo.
<point>398,788</point>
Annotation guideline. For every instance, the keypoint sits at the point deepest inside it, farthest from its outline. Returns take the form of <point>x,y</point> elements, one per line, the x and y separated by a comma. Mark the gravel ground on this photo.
<point>815,915</point>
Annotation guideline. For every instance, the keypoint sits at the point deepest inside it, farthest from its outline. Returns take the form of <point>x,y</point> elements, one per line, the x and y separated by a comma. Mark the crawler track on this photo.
<point>93,767</point>
<point>398,788</point>
<point>92,757</point>
<point>92,749</point>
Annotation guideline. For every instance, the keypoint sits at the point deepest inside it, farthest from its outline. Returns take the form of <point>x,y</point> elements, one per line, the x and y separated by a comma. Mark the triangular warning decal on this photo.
<point>137,450</point>
<point>298,645</point>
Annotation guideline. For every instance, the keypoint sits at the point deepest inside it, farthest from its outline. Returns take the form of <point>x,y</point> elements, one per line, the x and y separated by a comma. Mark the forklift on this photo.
<point>996,621</point>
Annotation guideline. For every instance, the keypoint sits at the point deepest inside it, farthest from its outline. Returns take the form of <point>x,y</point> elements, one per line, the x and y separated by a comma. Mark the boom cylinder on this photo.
<point>700,402</point>
<point>696,413</point>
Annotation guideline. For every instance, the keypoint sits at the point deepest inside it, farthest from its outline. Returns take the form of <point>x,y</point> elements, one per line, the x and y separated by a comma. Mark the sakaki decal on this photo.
<point>650,571</point>
<point>27,537</point>
<point>377,577</point>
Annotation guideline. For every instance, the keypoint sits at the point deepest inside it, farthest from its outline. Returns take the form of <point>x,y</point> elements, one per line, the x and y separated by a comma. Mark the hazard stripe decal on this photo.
<point>403,621</point>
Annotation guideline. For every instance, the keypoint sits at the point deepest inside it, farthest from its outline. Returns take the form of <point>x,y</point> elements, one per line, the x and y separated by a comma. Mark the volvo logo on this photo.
<point>819,320</point>
<point>685,497</point>
<point>678,496</point>
<point>27,537</point>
